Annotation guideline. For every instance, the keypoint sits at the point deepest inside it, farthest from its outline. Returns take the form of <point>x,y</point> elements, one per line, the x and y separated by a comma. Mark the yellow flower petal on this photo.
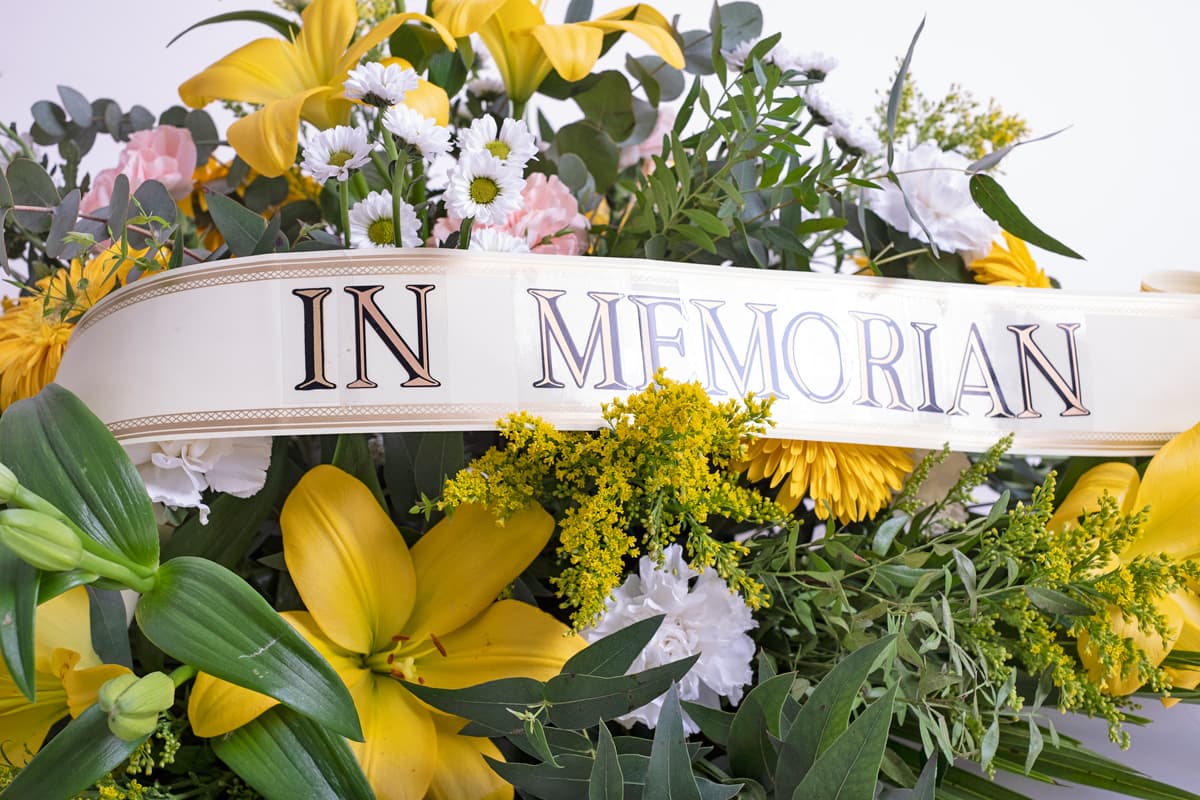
<point>385,28</point>
<point>572,49</point>
<point>1170,489</point>
<point>1124,680</point>
<point>508,640</point>
<point>401,747</point>
<point>23,729</point>
<point>326,28</point>
<point>464,562</point>
<point>1115,478</point>
<point>464,17</point>
<point>258,72</point>
<point>349,562</point>
<point>659,38</point>
<point>64,623</point>
<point>267,139</point>
<point>461,772</point>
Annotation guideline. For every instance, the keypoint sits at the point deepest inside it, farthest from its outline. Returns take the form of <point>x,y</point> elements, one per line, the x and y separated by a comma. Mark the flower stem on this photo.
<point>90,562</point>
<point>183,674</point>
<point>344,205</point>
<point>400,170</point>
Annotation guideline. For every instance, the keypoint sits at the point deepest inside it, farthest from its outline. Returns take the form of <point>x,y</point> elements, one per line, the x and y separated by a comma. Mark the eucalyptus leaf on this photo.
<point>61,223</point>
<point>849,769</point>
<point>996,156</point>
<point>578,11</point>
<point>6,196</point>
<point>995,202</point>
<point>893,106</point>
<point>204,615</point>
<point>77,106</point>
<point>240,227</point>
<point>51,119</point>
<point>487,703</point>
<point>577,700</point>
<point>739,22</point>
<point>204,133</point>
<point>612,656</point>
<point>606,781</point>
<point>59,450</point>
<point>18,603</point>
<point>669,772</point>
<point>755,726</point>
<point>118,207</point>
<point>595,147</point>
<point>609,100</point>
<point>714,723</point>
<point>82,753</point>
<point>284,755</point>
<point>31,185</point>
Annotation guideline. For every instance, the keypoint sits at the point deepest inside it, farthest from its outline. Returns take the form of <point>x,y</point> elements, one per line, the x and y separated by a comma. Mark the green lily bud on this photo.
<point>133,704</point>
<point>9,485</point>
<point>40,539</point>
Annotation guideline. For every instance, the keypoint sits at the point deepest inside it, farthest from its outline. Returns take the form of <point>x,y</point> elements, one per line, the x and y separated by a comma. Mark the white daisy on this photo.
<point>418,130</point>
<point>823,112</point>
<point>488,87</point>
<point>379,85</point>
<point>494,240</point>
<point>814,64</point>
<point>856,138</point>
<point>738,56</point>
<point>513,144</point>
<point>333,153</point>
<point>482,187</point>
<point>371,222</point>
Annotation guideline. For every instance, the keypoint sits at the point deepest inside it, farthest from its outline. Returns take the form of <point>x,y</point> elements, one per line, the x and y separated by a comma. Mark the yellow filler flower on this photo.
<point>1011,267</point>
<point>852,480</point>
<point>68,675</point>
<point>526,47</point>
<point>300,79</point>
<point>382,614</point>
<point>1170,490</point>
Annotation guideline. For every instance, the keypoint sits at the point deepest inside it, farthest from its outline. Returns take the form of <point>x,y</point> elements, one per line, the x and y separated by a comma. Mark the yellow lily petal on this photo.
<point>1188,603</point>
<point>385,28</point>
<point>326,28</point>
<point>268,138</point>
<point>1116,478</point>
<point>1124,681</point>
<point>461,772</point>
<point>64,622</point>
<point>259,72</point>
<point>464,562</point>
<point>572,49</point>
<point>464,17</point>
<point>401,747</point>
<point>83,685</point>
<point>349,562</point>
<point>508,640</point>
<point>659,39</point>
<point>23,729</point>
<point>429,100</point>
<point>1170,489</point>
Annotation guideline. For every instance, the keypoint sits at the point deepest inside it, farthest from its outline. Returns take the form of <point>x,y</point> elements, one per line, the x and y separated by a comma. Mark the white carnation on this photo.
<point>937,186</point>
<point>176,471</point>
<point>702,616</point>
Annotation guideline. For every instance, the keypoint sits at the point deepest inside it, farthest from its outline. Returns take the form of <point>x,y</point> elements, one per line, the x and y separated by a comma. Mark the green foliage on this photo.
<point>658,472</point>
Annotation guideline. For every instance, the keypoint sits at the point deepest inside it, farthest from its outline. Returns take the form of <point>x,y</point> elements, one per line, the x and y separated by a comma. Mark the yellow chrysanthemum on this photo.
<point>1011,267</point>
<point>34,329</point>
<point>852,480</point>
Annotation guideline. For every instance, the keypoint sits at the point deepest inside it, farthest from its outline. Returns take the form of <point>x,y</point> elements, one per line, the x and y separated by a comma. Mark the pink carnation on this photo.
<point>651,146</point>
<point>165,154</point>
<point>548,219</point>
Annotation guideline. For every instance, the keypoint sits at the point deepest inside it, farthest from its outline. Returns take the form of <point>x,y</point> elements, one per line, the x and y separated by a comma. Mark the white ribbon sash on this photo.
<point>411,340</point>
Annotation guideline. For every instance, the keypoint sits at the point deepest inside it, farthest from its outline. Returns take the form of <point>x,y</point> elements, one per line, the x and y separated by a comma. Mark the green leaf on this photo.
<point>606,781</point>
<point>706,221</point>
<point>739,22</point>
<point>283,755</point>
<point>281,25</point>
<point>571,781</point>
<point>240,226</point>
<point>945,267</point>
<point>110,630</point>
<point>82,753</point>
<point>18,602</point>
<point>714,723</point>
<point>597,149</point>
<point>61,451</point>
<point>670,81</point>
<point>612,656</point>
<point>670,768</point>
<point>751,749</point>
<point>1056,602</point>
<point>6,196</point>
<point>993,158</point>
<point>204,615</point>
<point>995,202</point>
<point>418,464</point>
<point>153,200</point>
<point>893,106</point>
<point>77,106</point>
<point>487,703</point>
<point>118,207</point>
<point>62,222</point>
<point>886,533</point>
<point>204,133</point>
<point>849,769</point>
<point>578,11</point>
<point>609,100</point>
<point>577,701</point>
<point>353,455</point>
<point>31,185</point>
<point>825,715</point>
<point>233,522</point>
<point>535,737</point>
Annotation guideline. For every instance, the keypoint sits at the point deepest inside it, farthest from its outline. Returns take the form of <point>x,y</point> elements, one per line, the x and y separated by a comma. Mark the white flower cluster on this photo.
<point>177,471</point>
<point>814,65</point>
<point>702,616</point>
<point>486,183</point>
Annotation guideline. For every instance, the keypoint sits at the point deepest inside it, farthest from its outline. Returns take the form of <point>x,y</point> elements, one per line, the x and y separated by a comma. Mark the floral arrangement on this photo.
<point>677,604</point>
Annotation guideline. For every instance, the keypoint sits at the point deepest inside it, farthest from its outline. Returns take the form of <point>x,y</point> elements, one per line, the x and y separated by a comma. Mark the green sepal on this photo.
<point>82,753</point>
<point>204,615</point>
<point>60,450</point>
<point>18,604</point>
<point>284,755</point>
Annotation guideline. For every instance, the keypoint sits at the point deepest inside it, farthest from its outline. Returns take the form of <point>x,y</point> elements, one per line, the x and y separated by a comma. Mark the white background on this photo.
<point>1117,187</point>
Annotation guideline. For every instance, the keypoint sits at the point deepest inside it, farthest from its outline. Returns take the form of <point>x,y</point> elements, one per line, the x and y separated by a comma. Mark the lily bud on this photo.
<point>9,485</point>
<point>133,704</point>
<point>39,539</point>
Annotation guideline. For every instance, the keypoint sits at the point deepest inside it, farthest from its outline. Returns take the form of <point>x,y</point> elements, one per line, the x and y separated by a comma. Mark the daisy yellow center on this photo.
<point>484,190</point>
<point>499,149</point>
<point>340,158</point>
<point>381,231</point>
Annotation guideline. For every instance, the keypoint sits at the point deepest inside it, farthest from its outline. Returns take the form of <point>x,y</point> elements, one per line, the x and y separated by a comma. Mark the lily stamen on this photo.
<point>438,644</point>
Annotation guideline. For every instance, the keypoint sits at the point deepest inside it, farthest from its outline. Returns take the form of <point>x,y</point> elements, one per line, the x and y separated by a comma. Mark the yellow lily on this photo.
<point>526,47</point>
<point>1170,490</point>
<point>300,79</point>
<point>68,675</point>
<point>382,614</point>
